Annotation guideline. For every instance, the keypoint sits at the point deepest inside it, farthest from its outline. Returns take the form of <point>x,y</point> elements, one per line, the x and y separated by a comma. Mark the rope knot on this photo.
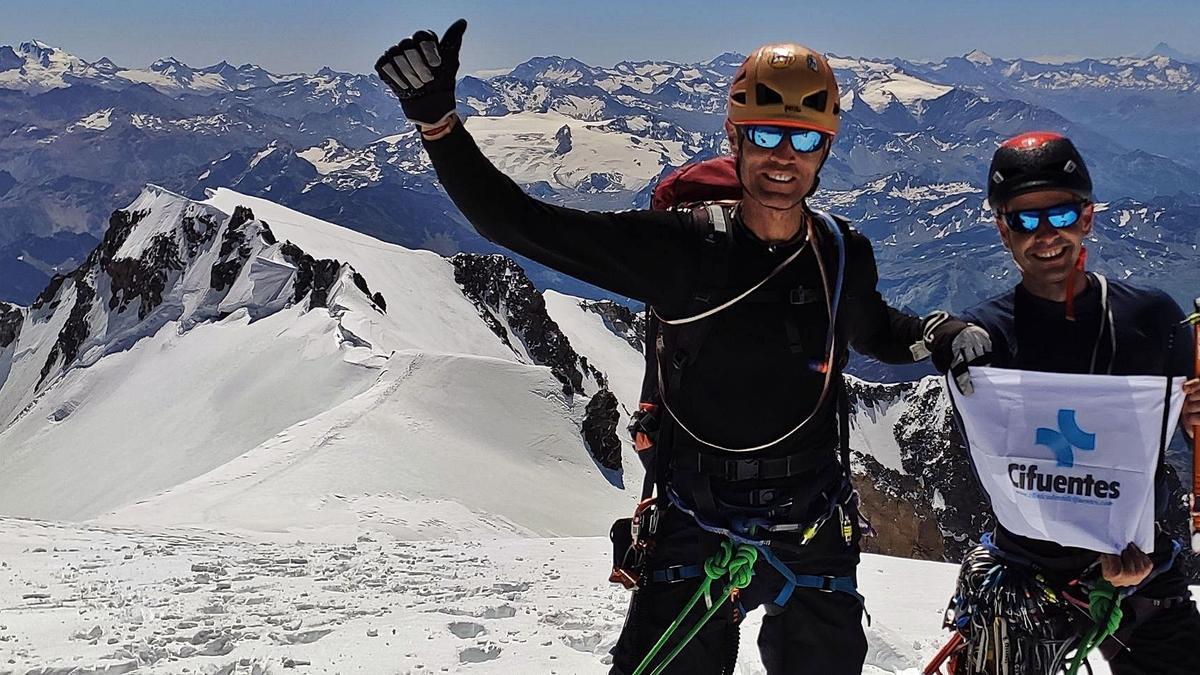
<point>741,568</point>
<point>717,564</point>
<point>1105,607</point>
<point>736,561</point>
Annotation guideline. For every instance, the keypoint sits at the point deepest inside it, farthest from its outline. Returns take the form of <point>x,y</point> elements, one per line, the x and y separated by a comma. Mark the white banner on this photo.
<point>1069,458</point>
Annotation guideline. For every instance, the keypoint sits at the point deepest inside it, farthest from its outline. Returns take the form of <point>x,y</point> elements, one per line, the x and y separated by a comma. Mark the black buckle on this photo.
<point>827,584</point>
<point>670,575</point>
<point>742,469</point>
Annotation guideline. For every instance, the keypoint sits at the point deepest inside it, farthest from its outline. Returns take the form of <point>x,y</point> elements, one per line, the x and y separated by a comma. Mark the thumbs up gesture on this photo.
<point>421,71</point>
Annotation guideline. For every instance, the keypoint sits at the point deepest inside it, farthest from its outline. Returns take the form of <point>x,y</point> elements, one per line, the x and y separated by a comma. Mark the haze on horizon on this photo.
<point>349,36</point>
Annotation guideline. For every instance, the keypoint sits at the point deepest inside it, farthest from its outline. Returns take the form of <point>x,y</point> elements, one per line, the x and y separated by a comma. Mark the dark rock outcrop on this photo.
<point>600,429</point>
<point>74,331</point>
<point>625,323</point>
<point>361,283</point>
<point>312,275</point>
<point>234,250</point>
<point>145,277</point>
<point>563,137</point>
<point>504,296</point>
<point>936,456</point>
<point>120,224</point>
<point>50,293</point>
<point>197,231</point>
<point>11,319</point>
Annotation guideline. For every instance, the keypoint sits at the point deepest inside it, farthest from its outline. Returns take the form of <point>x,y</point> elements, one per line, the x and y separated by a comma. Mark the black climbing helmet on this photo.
<point>1038,160</point>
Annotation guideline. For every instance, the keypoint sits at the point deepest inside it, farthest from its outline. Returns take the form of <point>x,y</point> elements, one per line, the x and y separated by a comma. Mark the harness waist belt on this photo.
<point>753,469</point>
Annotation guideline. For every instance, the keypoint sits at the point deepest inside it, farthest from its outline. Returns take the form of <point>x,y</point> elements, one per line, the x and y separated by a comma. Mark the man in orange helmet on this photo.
<point>759,302</point>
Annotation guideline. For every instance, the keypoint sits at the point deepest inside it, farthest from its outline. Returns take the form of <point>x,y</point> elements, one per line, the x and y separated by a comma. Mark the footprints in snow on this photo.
<point>166,601</point>
<point>466,629</point>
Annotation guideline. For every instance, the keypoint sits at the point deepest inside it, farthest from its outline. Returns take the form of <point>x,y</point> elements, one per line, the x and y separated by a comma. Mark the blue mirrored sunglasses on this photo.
<point>769,138</point>
<point>1060,217</point>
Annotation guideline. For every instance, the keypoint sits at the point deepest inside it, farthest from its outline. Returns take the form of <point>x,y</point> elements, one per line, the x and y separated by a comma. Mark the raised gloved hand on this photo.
<point>421,71</point>
<point>955,345</point>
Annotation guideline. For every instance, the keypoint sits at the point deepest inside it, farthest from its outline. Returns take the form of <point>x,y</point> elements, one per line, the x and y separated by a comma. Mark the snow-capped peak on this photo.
<point>37,49</point>
<point>168,64</point>
<point>979,57</point>
<point>726,59</point>
<point>554,69</point>
<point>106,65</point>
<point>36,66</point>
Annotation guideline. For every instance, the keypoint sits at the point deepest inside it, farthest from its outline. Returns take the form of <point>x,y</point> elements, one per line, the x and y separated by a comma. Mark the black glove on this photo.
<point>954,345</point>
<point>420,70</point>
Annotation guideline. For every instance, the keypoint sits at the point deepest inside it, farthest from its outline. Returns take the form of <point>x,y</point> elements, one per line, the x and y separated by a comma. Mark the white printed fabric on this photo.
<point>1069,458</point>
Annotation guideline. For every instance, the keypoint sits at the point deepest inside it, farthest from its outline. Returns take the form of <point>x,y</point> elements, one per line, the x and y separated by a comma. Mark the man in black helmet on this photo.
<point>1061,318</point>
<point>759,303</point>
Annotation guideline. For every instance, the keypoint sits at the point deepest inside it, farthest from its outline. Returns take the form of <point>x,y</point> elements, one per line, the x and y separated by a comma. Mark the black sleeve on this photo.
<point>874,328</point>
<point>645,255</point>
<point>1178,336</point>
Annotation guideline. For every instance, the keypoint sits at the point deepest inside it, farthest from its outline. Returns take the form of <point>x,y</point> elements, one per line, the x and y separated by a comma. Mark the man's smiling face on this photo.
<point>1048,255</point>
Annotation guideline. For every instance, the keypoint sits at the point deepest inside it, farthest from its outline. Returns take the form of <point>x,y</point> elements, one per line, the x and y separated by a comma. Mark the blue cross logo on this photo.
<point>1067,437</point>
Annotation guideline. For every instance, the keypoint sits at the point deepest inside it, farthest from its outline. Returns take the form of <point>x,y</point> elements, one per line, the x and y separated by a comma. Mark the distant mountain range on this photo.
<point>79,138</point>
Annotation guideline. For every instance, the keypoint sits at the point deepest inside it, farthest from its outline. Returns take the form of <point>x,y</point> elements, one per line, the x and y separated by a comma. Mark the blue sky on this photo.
<point>304,35</point>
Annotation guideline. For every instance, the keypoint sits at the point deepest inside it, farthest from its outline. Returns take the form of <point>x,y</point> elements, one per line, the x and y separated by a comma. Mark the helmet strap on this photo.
<point>1080,262</point>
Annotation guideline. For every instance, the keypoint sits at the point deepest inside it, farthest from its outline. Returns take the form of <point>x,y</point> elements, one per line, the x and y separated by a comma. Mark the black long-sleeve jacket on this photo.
<point>748,385</point>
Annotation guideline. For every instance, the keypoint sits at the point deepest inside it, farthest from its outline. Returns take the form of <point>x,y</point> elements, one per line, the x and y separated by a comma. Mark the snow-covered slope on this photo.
<point>95,598</point>
<point>439,446</point>
<point>236,364</point>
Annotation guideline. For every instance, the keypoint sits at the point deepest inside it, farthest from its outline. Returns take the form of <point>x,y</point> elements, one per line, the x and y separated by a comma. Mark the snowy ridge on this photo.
<point>239,313</point>
<point>36,67</point>
<point>380,461</point>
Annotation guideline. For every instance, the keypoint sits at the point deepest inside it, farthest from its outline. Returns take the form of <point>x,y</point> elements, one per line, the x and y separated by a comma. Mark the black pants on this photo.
<point>1157,636</point>
<point>814,633</point>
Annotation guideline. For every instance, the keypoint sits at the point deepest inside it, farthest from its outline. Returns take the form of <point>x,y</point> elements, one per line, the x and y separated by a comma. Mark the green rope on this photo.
<point>1105,608</point>
<point>737,562</point>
